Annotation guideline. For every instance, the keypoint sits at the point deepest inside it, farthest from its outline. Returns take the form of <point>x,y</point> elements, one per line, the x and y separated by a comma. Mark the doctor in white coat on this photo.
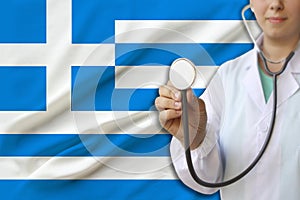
<point>229,122</point>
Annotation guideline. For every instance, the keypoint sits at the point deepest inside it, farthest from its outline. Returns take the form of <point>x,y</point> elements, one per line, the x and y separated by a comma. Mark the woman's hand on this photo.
<point>170,111</point>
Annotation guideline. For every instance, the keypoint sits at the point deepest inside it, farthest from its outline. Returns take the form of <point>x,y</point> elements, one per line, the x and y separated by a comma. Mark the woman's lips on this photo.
<point>276,20</point>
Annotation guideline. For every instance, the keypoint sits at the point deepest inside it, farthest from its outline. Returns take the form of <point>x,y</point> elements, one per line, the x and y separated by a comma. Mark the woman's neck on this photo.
<point>277,50</point>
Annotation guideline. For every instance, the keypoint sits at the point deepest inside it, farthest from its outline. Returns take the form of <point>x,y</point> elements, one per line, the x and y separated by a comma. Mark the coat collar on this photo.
<point>287,83</point>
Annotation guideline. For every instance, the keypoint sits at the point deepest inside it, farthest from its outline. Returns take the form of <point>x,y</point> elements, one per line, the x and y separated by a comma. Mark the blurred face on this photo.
<point>279,19</point>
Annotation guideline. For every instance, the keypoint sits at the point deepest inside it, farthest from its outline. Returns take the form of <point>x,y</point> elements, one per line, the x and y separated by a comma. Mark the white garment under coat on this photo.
<point>238,121</point>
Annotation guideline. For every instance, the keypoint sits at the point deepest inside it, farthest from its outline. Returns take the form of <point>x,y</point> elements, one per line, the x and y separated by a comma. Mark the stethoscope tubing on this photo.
<point>261,152</point>
<point>185,123</point>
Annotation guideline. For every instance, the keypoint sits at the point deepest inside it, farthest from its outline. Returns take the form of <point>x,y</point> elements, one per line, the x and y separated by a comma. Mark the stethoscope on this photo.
<point>182,75</point>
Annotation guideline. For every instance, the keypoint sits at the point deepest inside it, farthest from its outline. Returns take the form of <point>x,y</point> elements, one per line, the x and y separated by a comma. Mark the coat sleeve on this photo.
<point>206,158</point>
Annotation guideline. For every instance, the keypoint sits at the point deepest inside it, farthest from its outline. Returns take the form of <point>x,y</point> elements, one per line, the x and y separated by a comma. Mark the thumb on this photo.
<point>191,97</point>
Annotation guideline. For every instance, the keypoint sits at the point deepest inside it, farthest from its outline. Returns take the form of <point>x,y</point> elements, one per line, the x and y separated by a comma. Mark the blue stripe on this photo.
<point>99,189</point>
<point>23,21</point>
<point>22,88</point>
<point>165,54</point>
<point>93,21</point>
<point>84,145</point>
<point>93,88</point>
<point>136,99</point>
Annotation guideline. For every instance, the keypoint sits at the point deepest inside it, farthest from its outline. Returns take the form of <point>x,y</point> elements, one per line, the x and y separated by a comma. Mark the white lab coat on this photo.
<point>238,121</point>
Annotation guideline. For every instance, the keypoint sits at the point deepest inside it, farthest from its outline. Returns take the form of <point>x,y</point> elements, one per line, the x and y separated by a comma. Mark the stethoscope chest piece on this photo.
<point>182,73</point>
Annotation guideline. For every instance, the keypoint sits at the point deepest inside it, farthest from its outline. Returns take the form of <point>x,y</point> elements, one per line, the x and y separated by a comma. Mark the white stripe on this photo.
<point>155,76</point>
<point>189,31</point>
<point>57,55</point>
<point>67,122</point>
<point>67,168</point>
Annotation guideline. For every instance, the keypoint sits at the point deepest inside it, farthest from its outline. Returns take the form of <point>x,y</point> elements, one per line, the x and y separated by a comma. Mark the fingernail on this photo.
<point>177,95</point>
<point>178,112</point>
<point>176,104</point>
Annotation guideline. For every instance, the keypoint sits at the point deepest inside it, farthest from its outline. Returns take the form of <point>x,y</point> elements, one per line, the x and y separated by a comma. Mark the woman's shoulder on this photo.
<point>240,63</point>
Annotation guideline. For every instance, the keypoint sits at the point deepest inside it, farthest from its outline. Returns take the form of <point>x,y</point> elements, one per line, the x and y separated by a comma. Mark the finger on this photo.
<point>169,92</point>
<point>163,103</point>
<point>169,114</point>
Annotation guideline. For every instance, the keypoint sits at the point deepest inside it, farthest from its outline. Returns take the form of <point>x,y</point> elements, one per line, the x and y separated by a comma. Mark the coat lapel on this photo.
<point>252,82</point>
<point>288,83</point>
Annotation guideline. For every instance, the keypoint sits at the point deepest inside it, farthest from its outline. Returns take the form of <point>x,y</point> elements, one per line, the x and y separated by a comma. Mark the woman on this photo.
<point>229,122</point>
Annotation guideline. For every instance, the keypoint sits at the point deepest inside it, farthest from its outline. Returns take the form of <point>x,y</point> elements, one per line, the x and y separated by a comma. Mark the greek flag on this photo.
<point>78,79</point>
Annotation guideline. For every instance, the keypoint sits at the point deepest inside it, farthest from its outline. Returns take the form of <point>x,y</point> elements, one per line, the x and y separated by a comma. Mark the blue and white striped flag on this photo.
<point>78,83</point>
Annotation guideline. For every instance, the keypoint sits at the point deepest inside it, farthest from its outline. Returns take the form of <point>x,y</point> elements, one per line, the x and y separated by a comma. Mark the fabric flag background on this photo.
<point>78,83</point>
